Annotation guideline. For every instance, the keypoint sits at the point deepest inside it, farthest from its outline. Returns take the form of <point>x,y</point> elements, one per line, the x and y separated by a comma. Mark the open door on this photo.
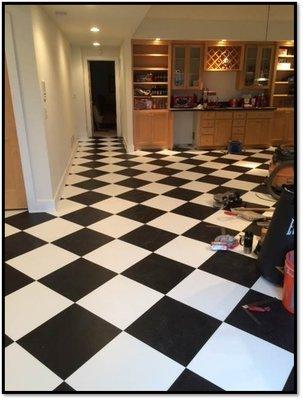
<point>15,197</point>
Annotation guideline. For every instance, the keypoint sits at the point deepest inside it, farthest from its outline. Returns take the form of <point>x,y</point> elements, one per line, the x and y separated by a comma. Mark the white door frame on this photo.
<point>88,94</point>
<point>13,74</point>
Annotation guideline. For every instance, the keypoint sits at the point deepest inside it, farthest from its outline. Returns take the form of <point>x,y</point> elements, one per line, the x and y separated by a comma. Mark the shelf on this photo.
<point>285,70</point>
<point>281,83</point>
<point>149,69</point>
<point>283,95</point>
<point>288,56</point>
<point>151,83</point>
<point>150,97</point>
<point>150,55</point>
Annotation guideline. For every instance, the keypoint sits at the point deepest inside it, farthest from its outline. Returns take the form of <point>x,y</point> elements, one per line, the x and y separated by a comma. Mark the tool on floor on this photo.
<point>256,307</point>
<point>227,200</point>
<point>247,241</point>
<point>247,215</point>
<point>224,242</point>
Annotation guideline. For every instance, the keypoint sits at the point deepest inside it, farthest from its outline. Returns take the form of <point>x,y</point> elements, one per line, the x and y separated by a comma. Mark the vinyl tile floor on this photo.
<point>118,290</point>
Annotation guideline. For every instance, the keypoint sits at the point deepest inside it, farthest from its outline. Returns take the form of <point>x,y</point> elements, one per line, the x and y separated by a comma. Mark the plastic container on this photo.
<point>289,283</point>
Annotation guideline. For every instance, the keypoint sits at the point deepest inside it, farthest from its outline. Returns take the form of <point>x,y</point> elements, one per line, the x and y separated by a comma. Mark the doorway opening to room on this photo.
<point>103,98</point>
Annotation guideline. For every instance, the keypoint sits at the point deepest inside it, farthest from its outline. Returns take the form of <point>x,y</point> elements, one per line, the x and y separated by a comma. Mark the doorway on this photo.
<point>103,98</point>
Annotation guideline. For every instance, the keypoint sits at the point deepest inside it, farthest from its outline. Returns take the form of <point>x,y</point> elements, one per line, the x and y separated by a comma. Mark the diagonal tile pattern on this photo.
<point>118,289</point>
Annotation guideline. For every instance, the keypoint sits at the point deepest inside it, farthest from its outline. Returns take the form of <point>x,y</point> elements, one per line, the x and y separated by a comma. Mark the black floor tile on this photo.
<point>193,210</point>
<point>192,161</point>
<point>202,170</point>
<point>215,180</point>
<point>189,382</point>
<point>88,198</point>
<point>290,385</point>
<point>183,194</point>
<point>136,195</point>
<point>20,243</point>
<point>68,340</point>
<point>14,279</point>
<point>159,273</point>
<point>133,183</point>
<point>141,213</point>
<point>276,326</point>
<point>7,341</point>
<point>26,220</point>
<point>160,163</point>
<point>173,181</point>
<point>93,164</point>
<point>130,172</point>
<point>64,388</point>
<point>232,266</point>
<point>92,173</point>
<point>262,189</point>
<point>174,329</point>
<point>86,216</point>
<point>236,168</point>
<point>77,279</point>
<point>83,241</point>
<point>166,170</point>
<point>90,184</point>
<point>148,237</point>
<point>207,233</point>
<point>251,178</point>
<point>127,163</point>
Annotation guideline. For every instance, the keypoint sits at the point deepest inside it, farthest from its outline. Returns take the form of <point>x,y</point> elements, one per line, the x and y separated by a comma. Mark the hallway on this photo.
<point>108,293</point>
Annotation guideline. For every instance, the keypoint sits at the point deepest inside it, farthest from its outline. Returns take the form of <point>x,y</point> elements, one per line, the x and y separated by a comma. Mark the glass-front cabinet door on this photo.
<point>250,66</point>
<point>264,69</point>
<point>179,64</point>
<point>194,67</point>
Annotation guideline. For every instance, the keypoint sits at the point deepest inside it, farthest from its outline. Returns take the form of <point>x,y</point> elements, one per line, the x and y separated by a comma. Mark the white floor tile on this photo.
<point>180,166</point>
<point>120,301</point>
<point>115,226</point>
<point>42,261</point>
<point>112,160</point>
<point>53,229</point>
<point>69,191</point>
<point>228,221</point>
<point>141,368</point>
<point>10,213</point>
<point>66,206</point>
<point>111,178</point>
<point>187,251</point>
<point>238,184</point>
<point>158,188</point>
<point>209,293</point>
<point>259,198</point>
<point>265,156</point>
<point>117,255</point>
<point>112,189</point>
<point>114,205</point>
<point>147,167</point>
<point>151,176</point>
<point>191,176</point>
<point>34,304</point>
<point>205,199</point>
<point>110,168</point>
<point>75,169</point>
<point>204,157</point>
<point>264,286</point>
<point>222,173</point>
<point>173,159</point>
<point>74,178</point>
<point>174,223</point>
<point>163,202</point>
<point>258,172</point>
<point>168,152</point>
<point>139,153</point>
<point>199,186</point>
<point>23,372</point>
<point>247,164</point>
<point>81,160</point>
<point>142,159</point>
<point>214,165</point>
<point>235,360</point>
<point>10,230</point>
<point>234,156</point>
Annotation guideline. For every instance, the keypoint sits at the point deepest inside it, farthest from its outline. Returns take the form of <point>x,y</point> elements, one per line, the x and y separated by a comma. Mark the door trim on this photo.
<point>14,82</point>
<point>88,96</point>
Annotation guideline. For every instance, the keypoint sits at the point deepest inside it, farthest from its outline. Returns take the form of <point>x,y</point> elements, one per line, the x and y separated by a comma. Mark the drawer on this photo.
<point>207,131</point>
<point>240,138</point>
<point>206,140</point>
<point>239,114</point>
<point>238,130</point>
<point>207,123</point>
<point>224,115</point>
<point>239,122</point>
<point>259,114</point>
<point>207,115</point>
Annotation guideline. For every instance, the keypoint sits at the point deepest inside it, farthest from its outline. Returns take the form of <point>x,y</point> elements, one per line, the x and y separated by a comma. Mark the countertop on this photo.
<point>224,109</point>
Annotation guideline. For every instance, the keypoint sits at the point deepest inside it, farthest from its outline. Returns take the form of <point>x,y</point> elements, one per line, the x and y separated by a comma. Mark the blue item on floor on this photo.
<point>234,147</point>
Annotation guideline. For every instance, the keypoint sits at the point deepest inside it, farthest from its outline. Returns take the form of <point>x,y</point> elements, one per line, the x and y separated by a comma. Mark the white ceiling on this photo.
<point>116,22</point>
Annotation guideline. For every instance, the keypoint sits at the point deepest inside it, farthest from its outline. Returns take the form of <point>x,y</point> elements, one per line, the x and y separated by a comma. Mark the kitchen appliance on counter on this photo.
<point>183,101</point>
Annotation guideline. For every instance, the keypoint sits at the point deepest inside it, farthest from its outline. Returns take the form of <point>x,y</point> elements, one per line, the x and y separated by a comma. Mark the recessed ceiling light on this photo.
<point>96,44</point>
<point>94,29</point>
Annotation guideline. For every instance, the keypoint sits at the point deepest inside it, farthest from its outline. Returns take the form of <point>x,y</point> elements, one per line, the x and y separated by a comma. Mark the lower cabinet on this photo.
<point>152,129</point>
<point>258,131</point>
<point>222,131</point>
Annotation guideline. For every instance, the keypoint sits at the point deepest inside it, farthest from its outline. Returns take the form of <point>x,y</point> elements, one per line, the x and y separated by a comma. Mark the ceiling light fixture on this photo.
<point>96,44</point>
<point>157,39</point>
<point>94,29</point>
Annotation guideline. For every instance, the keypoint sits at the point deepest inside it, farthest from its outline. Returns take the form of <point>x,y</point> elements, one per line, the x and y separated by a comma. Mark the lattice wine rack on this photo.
<point>223,58</point>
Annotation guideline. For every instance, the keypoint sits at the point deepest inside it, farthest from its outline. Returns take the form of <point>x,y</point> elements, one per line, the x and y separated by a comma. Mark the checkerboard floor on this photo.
<point>118,289</point>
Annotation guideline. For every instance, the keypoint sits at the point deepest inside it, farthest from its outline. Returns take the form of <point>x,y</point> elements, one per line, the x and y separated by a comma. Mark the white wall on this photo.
<point>53,56</point>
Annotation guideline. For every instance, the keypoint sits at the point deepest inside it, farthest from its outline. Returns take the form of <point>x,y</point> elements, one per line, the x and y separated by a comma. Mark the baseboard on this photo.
<point>64,175</point>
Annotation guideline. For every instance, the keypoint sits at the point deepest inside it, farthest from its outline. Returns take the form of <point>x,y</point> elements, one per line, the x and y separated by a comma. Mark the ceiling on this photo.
<point>116,22</point>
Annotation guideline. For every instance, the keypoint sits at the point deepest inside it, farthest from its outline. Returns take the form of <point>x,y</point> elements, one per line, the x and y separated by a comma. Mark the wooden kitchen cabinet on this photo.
<point>187,66</point>
<point>222,131</point>
<point>282,127</point>
<point>152,129</point>
<point>258,67</point>
<point>258,131</point>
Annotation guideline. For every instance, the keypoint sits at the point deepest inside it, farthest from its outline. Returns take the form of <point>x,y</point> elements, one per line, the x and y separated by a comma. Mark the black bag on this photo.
<point>279,238</point>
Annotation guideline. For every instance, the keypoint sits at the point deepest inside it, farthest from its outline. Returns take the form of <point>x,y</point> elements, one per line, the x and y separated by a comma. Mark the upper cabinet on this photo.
<point>223,56</point>
<point>258,67</point>
<point>187,67</point>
